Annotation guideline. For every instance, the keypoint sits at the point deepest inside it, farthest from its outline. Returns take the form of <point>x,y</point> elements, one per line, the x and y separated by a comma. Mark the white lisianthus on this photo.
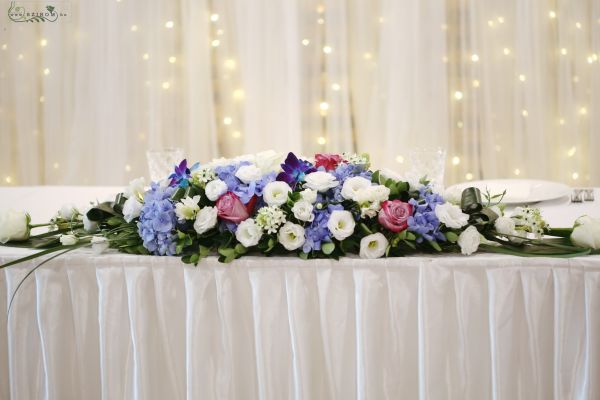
<point>453,195</point>
<point>68,211</point>
<point>268,161</point>
<point>187,208</point>
<point>291,236</point>
<point>373,246</point>
<point>68,240</point>
<point>469,240</point>
<point>248,173</point>
<point>14,225</point>
<point>276,193</point>
<point>341,224</point>
<point>321,181</point>
<point>248,233</point>
<point>303,211</point>
<point>505,226</point>
<point>131,209</point>
<point>376,193</point>
<point>99,244</point>
<point>451,215</point>
<point>309,195</point>
<point>352,186</point>
<point>215,189</point>
<point>205,220</point>
<point>136,188</point>
<point>586,232</point>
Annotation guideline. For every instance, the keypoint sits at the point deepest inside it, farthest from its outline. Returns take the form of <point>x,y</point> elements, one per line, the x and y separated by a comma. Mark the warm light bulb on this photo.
<point>172,59</point>
<point>367,56</point>
<point>42,99</point>
<point>43,43</point>
<point>561,121</point>
<point>214,17</point>
<point>469,176</point>
<point>517,171</point>
<point>127,168</point>
<point>575,176</point>
<point>166,85</point>
<point>169,24</point>
<point>320,21</point>
<point>458,95</point>
<point>4,46</point>
<point>46,71</point>
<point>327,49</point>
<point>399,159</point>
<point>320,8</point>
<point>583,111</point>
<point>459,124</point>
<point>491,23</point>
<point>324,106</point>
<point>238,94</point>
<point>506,51</point>
<point>552,14</point>
<point>571,151</point>
<point>455,160</point>
<point>230,64</point>
<point>8,179</point>
<point>56,165</point>
<point>578,25</point>
<point>215,43</point>
<point>20,57</point>
<point>522,78</point>
<point>305,42</point>
<point>476,83</point>
<point>335,86</point>
<point>236,134</point>
<point>227,120</point>
<point>524,113</point>
<point>321,140</point>
<point>134,28</point>
<point>474,58</point>
<point>146,56</point>
<point>501,19</point>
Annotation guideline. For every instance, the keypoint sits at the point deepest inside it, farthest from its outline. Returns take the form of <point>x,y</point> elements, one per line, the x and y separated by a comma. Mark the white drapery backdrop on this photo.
<point>510,88</point>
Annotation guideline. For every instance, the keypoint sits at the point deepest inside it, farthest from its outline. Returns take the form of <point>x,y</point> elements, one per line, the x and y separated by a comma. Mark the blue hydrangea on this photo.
<point>424,222</point>
<point>317,232</point>
<point>158,220</point>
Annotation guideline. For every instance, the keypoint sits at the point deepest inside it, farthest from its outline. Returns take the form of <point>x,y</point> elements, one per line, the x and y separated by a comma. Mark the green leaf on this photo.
<point>365,228</point>
<point>451,236</point>
<point>328,248</point>
<point>411,236</point>
<point>410,244</point>
<point>435,245</point>
<point>240,249</point>
<point>376,177</point>
<point>471,200</point>
<point>303,255</point>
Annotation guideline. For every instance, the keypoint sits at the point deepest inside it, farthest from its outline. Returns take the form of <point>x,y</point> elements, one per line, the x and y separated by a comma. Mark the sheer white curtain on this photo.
<point>511,88</point>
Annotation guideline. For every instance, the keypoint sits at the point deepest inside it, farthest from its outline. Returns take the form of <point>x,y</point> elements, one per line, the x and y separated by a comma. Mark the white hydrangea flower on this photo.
<point>270,218</point>
<point>204,174</point>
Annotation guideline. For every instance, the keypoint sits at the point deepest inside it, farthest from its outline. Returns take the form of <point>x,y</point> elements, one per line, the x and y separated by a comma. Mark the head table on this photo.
<point>117,326</point>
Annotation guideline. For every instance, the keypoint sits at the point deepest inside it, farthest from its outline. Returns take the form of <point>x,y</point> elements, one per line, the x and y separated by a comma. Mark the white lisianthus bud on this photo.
<point>248,173</point>
<point>68,240</point>
<point>352,186</point>
<point>276,193</point>
<point>68,211</point>
<point>14,225</point>
<point>205,220</point>
<point>291,236</point>
<point>586,232</point>
<point>321,181</point>
<point>341,224</point>
<point>131,209</point>
<point>187,208</point>
<point>505,226</point>
<point>309,195</point>
<point>215,189</point>
<point>136,188</point>
<point>248,233</point>
<point>99,244</point>
<point>373,246</point>
<point>469,240</point>
<point>303,211</point>
<point>451,215</point>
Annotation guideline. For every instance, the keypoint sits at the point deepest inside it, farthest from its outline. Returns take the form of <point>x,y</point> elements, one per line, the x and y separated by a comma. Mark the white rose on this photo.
<point>451,215</point>
<point>99,244</point>
<point>68,240</point>
<point>309,195</point>
<point>321,181</point>
<point>14,225</point>
<point>248,233</point>
<point>268,161</point>
<point>68,211</point>
<point>215,189</point>
<point>373,246</point>
<point>136,188</point>
<point>377,193</point>
<point>276,193</point>
<point>352,186</point>
<point>248,173</point>
<point>469,240</point>
<point>131,209</point>
<point>505,226</point>
<point>586,232</point>
<point>341,224</point>
<point>291,236</point>
<point>187,208</point>
<point>205,220</point>
<point>303,211</point>
<point>453,195</point>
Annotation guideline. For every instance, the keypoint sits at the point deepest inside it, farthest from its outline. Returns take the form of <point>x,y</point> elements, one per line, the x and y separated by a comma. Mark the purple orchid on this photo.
<point>294,170</point>
<point>182,174</point>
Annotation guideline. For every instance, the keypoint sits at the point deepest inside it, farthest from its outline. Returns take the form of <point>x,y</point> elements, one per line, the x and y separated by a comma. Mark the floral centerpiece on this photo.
<point>326,207</point>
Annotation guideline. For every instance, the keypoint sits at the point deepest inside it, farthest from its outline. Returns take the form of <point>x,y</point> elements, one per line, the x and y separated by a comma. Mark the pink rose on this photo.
<point>394,215</point>
<point>230,208</point>
<point>329,161</point>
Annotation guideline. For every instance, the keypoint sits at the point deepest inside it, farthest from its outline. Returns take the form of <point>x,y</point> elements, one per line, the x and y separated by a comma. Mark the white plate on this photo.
<point>520,191</point>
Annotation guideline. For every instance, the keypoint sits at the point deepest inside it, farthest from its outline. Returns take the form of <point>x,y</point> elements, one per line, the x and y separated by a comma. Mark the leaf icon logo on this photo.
<point>50,8</point>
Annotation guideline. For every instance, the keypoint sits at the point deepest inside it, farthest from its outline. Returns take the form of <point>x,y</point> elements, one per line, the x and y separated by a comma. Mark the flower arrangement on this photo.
<point>326,207</point>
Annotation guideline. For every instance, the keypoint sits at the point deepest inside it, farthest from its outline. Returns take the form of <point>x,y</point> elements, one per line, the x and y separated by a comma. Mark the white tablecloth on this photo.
<point>448,327</point>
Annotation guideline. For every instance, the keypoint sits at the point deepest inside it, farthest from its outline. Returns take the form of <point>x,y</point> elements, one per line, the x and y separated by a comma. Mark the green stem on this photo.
<point>560,232</point>
<point>32,226</point>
